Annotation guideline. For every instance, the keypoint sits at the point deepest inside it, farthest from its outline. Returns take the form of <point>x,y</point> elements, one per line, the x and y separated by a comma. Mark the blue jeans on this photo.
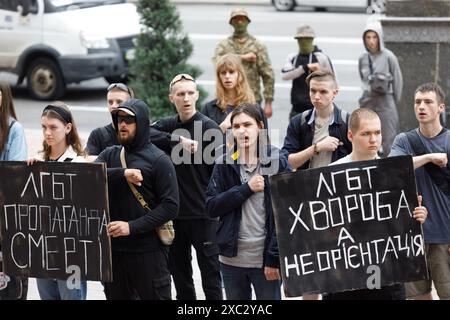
<point>239,281</point>
<point>51,289</point>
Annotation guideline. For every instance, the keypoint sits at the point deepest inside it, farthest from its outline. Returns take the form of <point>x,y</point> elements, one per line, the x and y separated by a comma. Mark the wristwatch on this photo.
<point>316,150</point>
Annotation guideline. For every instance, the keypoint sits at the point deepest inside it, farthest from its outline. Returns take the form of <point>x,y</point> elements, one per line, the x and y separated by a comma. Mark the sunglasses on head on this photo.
<point>128,119</point>
<point>180,77</point>
<point>119,86</point>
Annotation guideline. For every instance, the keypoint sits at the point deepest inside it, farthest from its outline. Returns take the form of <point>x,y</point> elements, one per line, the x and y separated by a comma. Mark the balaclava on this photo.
<point>305,45</point>
<point>240,29</point>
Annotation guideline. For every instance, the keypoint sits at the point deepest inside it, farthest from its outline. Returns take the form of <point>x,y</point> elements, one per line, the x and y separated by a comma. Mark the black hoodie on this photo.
<point>159,185</point>
<point>193,176</point>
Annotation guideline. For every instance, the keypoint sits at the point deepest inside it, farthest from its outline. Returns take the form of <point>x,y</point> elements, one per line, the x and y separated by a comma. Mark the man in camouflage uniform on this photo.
<point>254,57</point>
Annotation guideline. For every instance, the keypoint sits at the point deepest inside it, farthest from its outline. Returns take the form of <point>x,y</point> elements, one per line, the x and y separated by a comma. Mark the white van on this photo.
<point>371,6</point>
<point>52,43</point>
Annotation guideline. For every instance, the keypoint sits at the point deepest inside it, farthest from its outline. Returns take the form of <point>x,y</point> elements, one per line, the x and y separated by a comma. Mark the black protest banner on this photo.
<point>348,226</point>
<point>53,218</point>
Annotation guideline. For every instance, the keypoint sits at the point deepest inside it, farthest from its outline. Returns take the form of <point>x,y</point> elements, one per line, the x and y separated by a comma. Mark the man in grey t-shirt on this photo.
<point>435,140</point>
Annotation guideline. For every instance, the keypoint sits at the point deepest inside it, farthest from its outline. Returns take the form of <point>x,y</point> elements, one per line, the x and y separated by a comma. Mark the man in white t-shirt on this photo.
<point>364,132</point>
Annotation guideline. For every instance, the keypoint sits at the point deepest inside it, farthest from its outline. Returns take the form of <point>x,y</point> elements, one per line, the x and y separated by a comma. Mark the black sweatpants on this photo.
<point>201,234</point>
<point>140,276</point>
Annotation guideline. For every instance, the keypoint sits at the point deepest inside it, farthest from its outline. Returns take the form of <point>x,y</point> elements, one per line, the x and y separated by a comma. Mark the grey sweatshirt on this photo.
<point>383,61</point>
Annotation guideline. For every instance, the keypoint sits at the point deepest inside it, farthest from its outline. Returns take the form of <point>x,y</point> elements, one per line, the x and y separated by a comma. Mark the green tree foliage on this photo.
<point>162,51</point>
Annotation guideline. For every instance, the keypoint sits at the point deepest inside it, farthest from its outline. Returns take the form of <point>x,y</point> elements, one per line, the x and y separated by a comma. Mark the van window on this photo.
<point>65,5</point>
<point>33,6</point>
<point>11,5</point>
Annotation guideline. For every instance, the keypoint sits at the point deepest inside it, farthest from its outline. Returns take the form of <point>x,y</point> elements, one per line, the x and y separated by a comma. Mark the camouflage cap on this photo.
<point>304,31</point>
<point>239,12</point>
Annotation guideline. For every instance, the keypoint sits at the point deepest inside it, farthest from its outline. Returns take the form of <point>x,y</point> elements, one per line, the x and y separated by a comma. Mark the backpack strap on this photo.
<point>136,193</point>
<point>370,64</point>
<point>345,116</point>
<point>11,124</point>
<point>304,115</point>
<point>439,176</point>
<point>294,60</point>
<point>415,142</point>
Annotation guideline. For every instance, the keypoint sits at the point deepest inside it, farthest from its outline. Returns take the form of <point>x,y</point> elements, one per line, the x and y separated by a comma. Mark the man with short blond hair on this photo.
<point>364,131</point>
<point>193,227</point>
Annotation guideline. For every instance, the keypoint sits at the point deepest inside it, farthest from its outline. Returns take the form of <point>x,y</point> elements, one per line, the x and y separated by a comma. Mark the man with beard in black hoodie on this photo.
<point>139,259</point>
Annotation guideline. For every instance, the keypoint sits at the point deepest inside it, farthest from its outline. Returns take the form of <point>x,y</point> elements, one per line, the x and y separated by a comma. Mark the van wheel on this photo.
<point>284,5</point>
<point>44,80</point>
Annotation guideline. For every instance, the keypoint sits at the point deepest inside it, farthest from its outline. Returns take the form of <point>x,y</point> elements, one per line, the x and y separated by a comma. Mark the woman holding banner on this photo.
<point>238,193</point>
<point>13,147</point>
<point>62,144</point>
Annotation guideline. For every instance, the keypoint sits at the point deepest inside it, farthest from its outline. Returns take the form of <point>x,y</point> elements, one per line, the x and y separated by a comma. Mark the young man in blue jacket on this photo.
<point>317,137</point>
